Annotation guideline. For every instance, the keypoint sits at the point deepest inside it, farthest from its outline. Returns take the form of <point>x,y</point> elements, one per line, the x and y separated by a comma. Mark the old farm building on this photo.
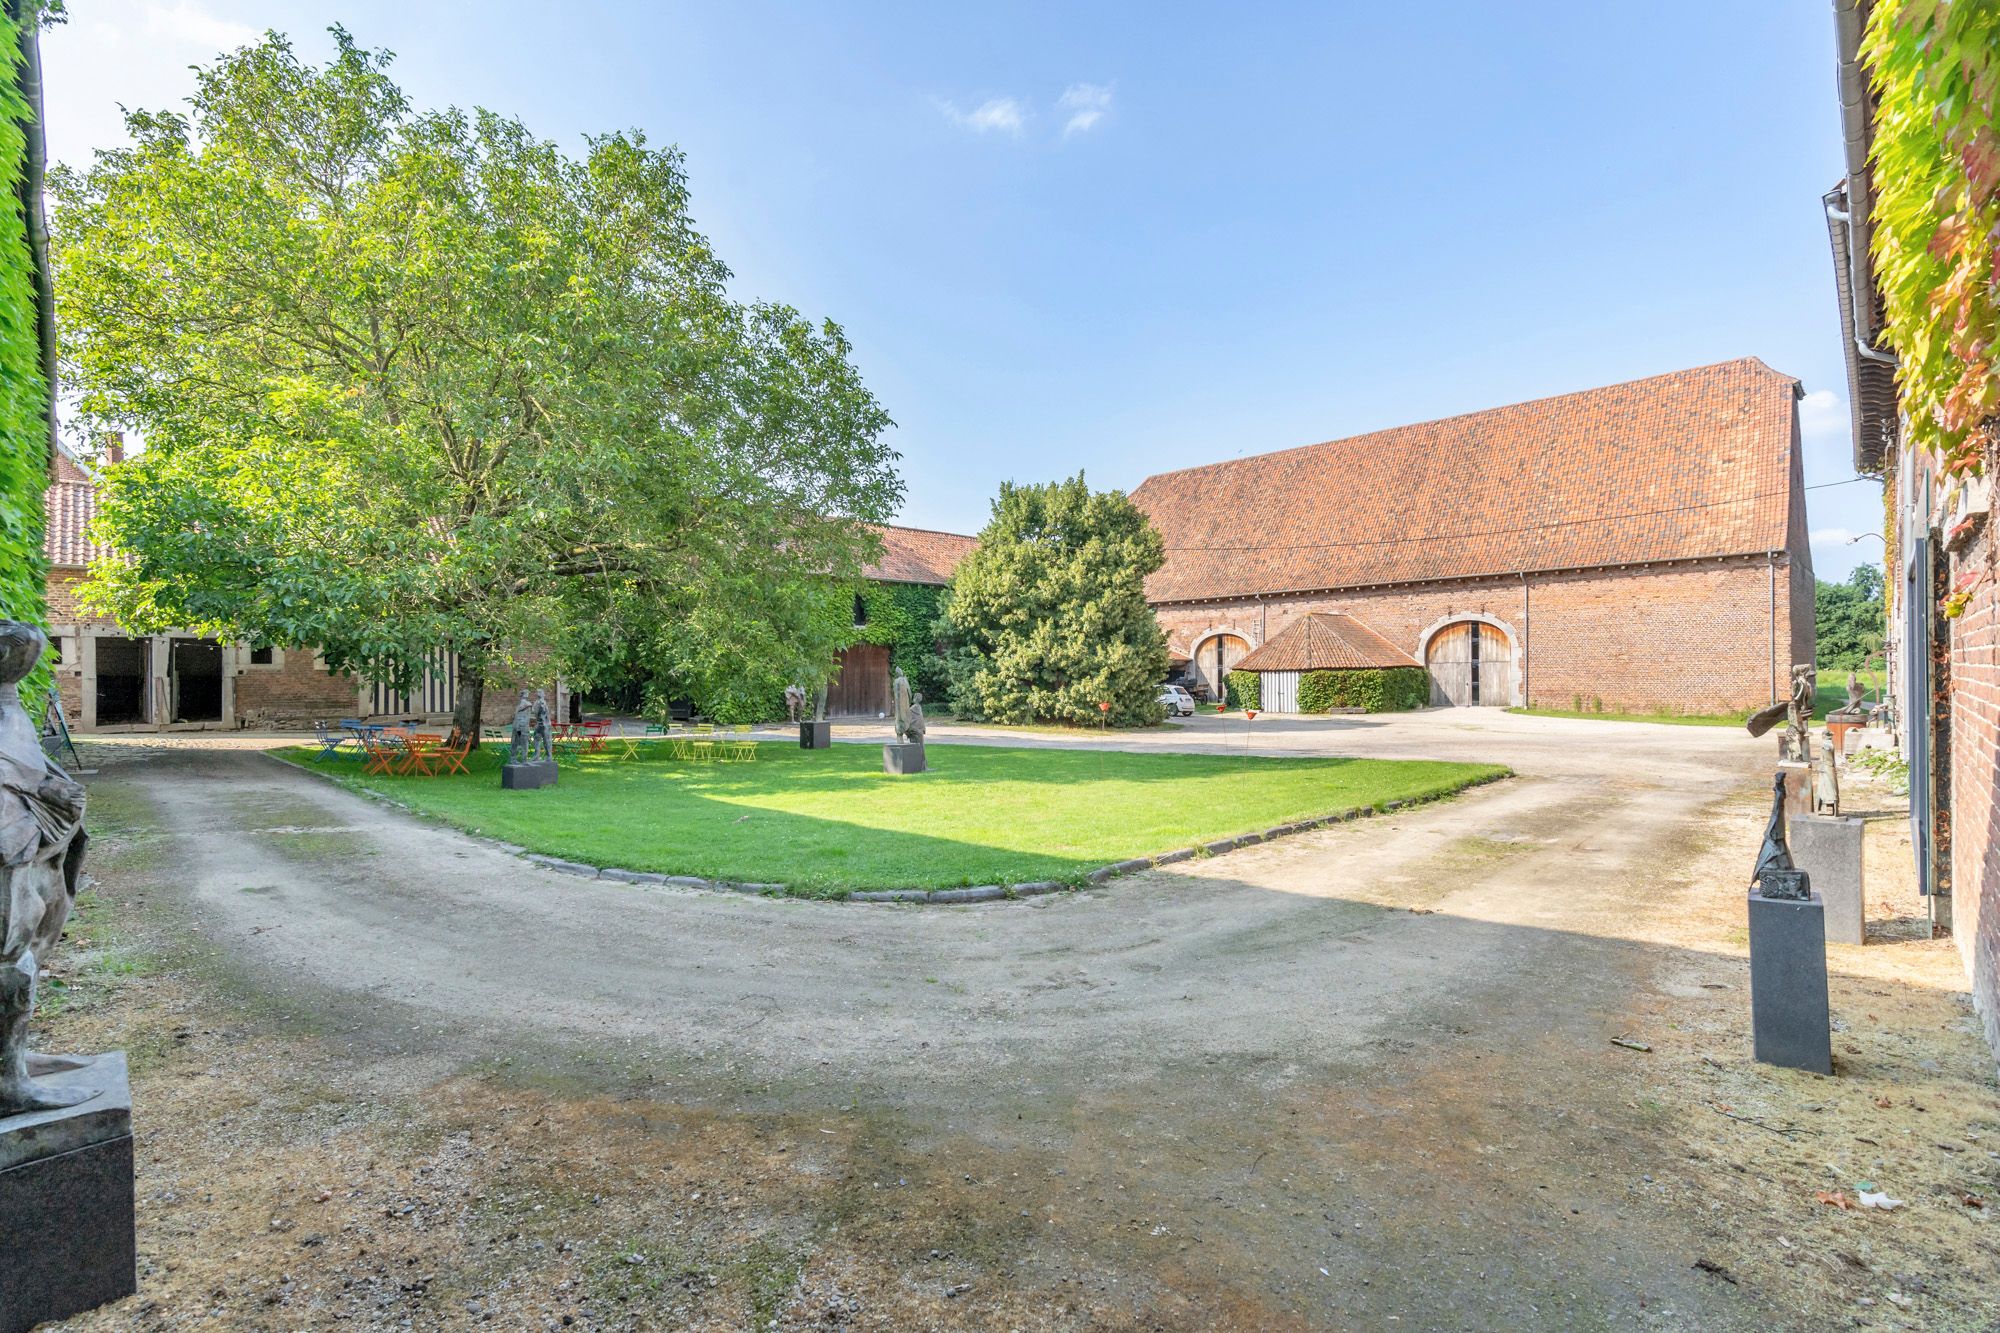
<point>1641,546</point>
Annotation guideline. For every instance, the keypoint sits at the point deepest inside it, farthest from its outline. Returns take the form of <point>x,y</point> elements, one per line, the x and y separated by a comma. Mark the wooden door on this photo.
<point>861,686</point>
<point>1471,666</point>
<point>1216,658</point>
<point>1279,691</point>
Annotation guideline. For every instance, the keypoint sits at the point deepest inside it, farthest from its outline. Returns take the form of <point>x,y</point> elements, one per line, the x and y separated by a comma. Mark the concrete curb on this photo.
<point>984,893</point>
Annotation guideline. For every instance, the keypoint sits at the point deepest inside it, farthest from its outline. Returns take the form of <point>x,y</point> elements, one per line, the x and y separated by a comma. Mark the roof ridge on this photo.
<point>1758,362</point>
<point>935,532</point>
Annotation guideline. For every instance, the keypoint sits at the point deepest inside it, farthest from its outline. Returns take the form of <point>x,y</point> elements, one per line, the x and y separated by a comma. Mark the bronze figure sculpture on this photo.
<point>41,861</point>
<point>1775,876</point>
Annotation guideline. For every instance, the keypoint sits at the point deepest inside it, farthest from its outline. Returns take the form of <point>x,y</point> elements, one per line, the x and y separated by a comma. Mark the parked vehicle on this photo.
<point>1179,702</point>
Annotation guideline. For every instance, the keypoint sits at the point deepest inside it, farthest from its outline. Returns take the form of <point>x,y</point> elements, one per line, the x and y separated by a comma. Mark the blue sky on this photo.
<point>1128,238</point>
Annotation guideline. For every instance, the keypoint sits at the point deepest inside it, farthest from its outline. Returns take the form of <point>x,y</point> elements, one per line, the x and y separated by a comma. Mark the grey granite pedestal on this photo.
<point>815,735</point>
<point>528,776</point>
<point>903,759</point>
<point>1828,849</point>
<point>1788,1006</point>
<point>67,1242</point>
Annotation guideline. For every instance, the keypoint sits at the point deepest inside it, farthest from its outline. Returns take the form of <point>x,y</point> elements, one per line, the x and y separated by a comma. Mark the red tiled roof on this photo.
<point>1326,641</point>
<point>68,506</point>
<point>918,555</point>
<point>1689,465</point>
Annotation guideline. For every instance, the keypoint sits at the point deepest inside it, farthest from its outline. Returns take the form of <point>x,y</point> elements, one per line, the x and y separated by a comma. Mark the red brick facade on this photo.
<point>1696,637</point>
<point>1973,823</point>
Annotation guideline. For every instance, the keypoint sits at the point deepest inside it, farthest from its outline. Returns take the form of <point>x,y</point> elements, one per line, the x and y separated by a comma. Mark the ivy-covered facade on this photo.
<point>26,328</point>
<point>1913,223</point>
<point>895,621</point>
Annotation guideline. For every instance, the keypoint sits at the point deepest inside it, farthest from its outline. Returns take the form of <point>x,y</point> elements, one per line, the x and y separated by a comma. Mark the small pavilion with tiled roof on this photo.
<point>1318,641</point>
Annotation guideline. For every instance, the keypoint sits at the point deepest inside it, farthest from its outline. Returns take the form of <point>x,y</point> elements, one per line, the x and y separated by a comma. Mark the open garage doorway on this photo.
<point>194,680</point>
<point>123,668</point>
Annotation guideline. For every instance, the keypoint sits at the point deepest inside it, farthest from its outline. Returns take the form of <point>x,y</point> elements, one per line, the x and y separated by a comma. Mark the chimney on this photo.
<point>114,447</point>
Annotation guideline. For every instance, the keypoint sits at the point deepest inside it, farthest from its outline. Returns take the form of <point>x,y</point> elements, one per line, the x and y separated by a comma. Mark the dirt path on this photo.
<point>1353,1076</point>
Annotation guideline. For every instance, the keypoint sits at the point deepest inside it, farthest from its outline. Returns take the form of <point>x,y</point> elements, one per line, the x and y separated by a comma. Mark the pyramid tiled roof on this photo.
<point>1689,465</point>
<point>1326,641</point>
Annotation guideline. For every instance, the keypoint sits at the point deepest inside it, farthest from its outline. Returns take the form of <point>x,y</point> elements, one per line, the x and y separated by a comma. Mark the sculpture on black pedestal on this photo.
<point>41,861</point>
<point>520,735</point>
<point>1774,875</point>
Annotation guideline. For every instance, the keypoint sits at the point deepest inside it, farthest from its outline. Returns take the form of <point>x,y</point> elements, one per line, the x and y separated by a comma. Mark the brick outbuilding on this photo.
<point>1638,547</point>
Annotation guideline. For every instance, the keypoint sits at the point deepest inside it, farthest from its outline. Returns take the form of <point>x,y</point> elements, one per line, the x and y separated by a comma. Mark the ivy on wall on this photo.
<point>24,395</point>
<point>903,617</point>
<point>1935,66</point>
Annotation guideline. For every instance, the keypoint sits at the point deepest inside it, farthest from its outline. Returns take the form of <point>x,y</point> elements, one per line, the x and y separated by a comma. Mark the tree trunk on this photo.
<point>471,702</point>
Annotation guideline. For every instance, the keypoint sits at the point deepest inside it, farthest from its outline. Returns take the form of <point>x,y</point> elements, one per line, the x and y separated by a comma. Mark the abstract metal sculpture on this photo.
<point>1774,875</point>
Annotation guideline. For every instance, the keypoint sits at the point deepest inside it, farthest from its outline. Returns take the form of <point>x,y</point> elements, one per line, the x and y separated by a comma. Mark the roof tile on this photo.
<point>1689,465</point>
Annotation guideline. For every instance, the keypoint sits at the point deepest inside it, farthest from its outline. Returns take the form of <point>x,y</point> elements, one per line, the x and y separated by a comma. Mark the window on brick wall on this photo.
<point>263,657</point>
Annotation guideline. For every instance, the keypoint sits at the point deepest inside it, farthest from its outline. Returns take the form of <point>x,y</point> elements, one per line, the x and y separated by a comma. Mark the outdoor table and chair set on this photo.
<point>401,750</point>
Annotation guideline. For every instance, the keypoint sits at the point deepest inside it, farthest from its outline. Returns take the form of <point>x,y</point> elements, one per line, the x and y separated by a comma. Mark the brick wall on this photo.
<point>294,691</point>
<point>1975,783</point>
<point>1688,638</point>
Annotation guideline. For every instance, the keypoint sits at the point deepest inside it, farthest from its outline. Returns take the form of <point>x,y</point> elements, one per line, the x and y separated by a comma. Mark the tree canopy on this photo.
<point>1048,613</point>
<point>418,379</point>
<point>1850,622</point>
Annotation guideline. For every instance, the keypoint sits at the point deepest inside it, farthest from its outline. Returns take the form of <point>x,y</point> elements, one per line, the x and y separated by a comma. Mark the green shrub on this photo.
<point>1375,690</point>
<point>1244,689</point>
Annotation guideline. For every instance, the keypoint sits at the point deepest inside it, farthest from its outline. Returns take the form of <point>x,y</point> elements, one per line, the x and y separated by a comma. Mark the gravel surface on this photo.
<point>1360,1074</point>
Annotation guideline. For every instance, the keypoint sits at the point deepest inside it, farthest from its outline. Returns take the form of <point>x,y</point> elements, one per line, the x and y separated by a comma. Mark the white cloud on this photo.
<point>1003,114</point>
<point>1823,412</point>
<point>1085,105</point>
<point>177,23</point>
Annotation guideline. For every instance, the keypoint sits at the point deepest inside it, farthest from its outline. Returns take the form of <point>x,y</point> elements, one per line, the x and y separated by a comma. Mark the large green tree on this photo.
<point>416,379</point>
<point>1048,613</point>
<point>1849,620</point>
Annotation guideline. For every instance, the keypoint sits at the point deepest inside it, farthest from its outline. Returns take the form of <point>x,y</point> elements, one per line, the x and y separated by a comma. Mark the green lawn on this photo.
<point>827,821</point>
<point>1828,697</point>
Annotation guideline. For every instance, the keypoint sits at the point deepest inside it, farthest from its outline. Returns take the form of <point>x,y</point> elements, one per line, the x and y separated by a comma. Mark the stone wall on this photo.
<point>1693,637</point>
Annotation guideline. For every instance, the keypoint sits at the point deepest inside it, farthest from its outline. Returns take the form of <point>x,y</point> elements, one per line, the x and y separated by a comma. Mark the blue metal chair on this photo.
<point>331,742</point>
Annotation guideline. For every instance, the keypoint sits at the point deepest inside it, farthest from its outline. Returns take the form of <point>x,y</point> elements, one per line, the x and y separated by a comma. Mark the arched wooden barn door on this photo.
<point>1215,657</point>
<point>1471,665</point>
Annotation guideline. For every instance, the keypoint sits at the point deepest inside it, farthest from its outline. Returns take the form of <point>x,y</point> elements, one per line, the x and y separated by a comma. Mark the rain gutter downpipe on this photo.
<point>1853,88</point>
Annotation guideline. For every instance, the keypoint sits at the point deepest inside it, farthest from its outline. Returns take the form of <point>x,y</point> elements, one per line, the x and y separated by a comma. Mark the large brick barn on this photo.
<point>1636,547</point>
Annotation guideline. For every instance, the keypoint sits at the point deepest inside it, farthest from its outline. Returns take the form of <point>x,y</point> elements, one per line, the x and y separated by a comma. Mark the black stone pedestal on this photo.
<point>528,776</point>
<point>1788,1005</point>
<point>815,735</point>
<point>67,1242</point>
<point>903,759</point>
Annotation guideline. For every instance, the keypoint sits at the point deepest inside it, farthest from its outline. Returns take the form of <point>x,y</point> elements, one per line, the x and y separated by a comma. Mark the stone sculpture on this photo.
<point>914,725</point>
<point>899,694</point>
<point>541,744</point>
<point>41,861</point>
<point>819,702</point>
<point>1825,782</point>
<point>795,702</point>
<point>520,736</point>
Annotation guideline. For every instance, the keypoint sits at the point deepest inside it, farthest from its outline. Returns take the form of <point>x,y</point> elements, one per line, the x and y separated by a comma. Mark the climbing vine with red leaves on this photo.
<point>1935,65</point>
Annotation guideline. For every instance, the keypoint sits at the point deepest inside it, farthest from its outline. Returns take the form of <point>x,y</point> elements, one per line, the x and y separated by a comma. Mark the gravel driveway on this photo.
<point>1361,1072</point>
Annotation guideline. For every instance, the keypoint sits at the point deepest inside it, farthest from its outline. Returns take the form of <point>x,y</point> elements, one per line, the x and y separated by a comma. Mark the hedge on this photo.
<point>1376,690</point>
<point>1244,689</point>
<point>24,401</point>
